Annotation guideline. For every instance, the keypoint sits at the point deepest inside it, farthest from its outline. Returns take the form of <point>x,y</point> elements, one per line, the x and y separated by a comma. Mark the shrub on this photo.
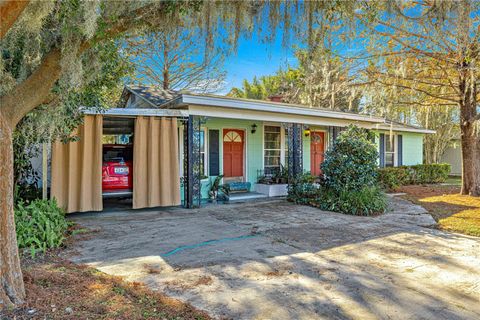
<point>40,225</point>
<point>364,202</point>
<point>350,178</point>
<point>392,178</point>
<point>351,163</point>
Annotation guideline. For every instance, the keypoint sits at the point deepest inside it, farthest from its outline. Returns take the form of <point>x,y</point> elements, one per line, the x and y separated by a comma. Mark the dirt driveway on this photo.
<point>276,260</point>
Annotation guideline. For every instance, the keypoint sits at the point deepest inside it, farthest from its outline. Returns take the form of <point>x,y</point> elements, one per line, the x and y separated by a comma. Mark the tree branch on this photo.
<point>419,90</point>
<point>9,13</point>
<point>33,91</point>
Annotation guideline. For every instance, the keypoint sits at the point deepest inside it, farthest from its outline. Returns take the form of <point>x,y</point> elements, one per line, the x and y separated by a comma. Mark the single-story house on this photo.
<point>183,140</point>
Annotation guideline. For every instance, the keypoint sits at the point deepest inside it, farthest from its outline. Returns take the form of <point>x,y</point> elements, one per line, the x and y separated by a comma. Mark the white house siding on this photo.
<point>453,155</point>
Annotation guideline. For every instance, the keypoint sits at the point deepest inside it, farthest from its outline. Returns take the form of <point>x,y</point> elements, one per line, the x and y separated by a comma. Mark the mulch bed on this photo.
<point>59,289</point>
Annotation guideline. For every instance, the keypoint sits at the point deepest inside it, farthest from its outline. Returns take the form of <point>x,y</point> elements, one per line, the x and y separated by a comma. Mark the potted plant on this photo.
<point>216,187</point>
<point>275,184</point>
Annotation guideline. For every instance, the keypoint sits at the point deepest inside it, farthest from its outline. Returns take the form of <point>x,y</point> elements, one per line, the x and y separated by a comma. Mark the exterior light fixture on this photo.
<point>307,132</point>
<point>254,128</point>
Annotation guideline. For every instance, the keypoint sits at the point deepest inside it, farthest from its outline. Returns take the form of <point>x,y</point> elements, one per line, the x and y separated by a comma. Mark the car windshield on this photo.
<point>117,155</point>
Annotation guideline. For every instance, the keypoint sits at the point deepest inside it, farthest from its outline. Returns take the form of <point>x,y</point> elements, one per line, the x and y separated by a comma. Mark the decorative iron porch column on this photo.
<point>191,162</point>
<point>295,149</point>
<point>333,133</point>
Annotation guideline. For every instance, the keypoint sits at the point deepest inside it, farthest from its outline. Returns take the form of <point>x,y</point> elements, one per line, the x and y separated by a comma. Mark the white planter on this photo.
<point>272,190</point>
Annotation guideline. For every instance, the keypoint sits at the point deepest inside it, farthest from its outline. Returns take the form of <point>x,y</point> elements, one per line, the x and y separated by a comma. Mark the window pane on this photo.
<point>272,161</point>
<point>202,163</point>
<point>272,153</point>
<point>273,138</point>
<point>389,144</point>
<point>272,145</point>
<point>272,129</point>
<point>202,141</point>
<point>389,159</point>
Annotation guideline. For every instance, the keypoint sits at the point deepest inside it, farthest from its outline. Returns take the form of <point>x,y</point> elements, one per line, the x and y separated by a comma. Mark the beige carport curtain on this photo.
<point>156,175</point>
<point>77,168</point>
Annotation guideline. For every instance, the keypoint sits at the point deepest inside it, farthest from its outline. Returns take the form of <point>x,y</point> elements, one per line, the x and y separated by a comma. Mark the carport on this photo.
<point>76,166</point>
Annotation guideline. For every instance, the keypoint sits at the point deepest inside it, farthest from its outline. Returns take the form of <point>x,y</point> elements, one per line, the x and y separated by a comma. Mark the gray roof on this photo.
<point>153,94</point>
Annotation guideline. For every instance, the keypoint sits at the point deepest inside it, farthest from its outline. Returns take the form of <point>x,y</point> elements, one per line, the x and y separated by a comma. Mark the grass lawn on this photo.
<point>452,211</point>
<point>454,180</point>
<point>58,289</point>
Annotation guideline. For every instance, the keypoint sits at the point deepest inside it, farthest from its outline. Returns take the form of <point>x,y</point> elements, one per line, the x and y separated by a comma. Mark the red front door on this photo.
<point>317,151</point>
<point>233,141</point>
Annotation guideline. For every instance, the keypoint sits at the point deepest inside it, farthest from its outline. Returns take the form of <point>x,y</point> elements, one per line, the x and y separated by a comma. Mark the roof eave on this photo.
<point>186,99</point>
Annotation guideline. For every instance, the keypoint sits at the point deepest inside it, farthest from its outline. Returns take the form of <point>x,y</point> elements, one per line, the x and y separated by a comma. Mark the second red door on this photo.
<point>317,151</point>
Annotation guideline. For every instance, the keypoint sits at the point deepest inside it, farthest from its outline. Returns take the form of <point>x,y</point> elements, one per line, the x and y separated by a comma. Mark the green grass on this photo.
<point>454,180</point>
<point>465,213</point>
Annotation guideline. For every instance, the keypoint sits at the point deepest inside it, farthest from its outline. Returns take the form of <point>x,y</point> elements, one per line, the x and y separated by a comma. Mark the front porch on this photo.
<point>243,153</point>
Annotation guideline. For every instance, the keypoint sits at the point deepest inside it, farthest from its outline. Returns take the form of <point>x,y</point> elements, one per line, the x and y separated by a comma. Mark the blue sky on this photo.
<point>254,58</point>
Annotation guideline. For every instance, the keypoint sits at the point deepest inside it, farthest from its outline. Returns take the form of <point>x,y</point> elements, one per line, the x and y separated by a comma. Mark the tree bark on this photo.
<point>24,98</point>
<point>470,160</point>
<point>9,13</point>
<point>33,91</point>
<point>470,141</point>
<point>12,291</point>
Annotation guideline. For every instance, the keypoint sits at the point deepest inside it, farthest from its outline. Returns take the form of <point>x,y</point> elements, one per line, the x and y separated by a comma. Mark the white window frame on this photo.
<point>282,143</point>
<point>395,149</point>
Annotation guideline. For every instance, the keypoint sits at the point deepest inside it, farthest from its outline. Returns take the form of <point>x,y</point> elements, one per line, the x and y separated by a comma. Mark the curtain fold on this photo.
<point>156,176</point>
<point>77,168</point>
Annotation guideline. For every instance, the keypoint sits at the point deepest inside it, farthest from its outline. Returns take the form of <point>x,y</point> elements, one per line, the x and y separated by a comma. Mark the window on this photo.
<point>389,151</point>
<point>286,148</point>
<point>272,149</point>
<point>203,158</point>
<point>232,136</point>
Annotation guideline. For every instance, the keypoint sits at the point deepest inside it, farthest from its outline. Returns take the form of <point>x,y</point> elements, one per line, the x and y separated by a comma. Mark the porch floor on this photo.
<point>241,196</point>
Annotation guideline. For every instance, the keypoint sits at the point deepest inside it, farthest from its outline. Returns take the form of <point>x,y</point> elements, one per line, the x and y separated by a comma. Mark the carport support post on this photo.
<point>295,150</point>
<point>191,163</point>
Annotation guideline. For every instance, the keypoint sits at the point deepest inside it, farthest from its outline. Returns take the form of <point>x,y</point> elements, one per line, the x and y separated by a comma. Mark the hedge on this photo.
<point>394,177</point>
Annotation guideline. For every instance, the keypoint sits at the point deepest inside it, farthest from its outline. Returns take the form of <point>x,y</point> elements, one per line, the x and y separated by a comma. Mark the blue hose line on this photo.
<point>206,243</point>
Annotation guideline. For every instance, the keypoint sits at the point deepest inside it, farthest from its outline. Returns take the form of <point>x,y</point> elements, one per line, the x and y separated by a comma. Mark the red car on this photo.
<point>117,169</point>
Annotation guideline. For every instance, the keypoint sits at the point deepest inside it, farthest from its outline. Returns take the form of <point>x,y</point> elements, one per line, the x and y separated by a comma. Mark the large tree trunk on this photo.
<point>11,280</point>
<point>24,98</point>
<point>470,161</point>
<point>470,144</point>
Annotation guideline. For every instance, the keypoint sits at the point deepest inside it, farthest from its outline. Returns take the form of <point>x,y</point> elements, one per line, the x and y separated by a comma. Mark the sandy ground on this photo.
<point>276,260</point>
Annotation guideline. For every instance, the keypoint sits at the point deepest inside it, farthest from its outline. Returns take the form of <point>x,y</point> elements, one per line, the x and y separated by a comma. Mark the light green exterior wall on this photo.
<point>412,145</point>
<point>253,143</point>
<point>412,148</point>
<point>306,153</point>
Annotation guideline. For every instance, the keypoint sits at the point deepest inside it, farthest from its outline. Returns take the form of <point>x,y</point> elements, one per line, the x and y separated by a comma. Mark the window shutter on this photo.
<point>213,152</point>
<point>400,150</point>
<point>382,150</point>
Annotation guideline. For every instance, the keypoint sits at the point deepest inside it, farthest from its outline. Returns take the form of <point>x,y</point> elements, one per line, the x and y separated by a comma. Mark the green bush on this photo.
<point>392,178</point>
<point>351,163</point>
<point>40,225</point>
<point>350,178</point>
<point>363,202</point>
